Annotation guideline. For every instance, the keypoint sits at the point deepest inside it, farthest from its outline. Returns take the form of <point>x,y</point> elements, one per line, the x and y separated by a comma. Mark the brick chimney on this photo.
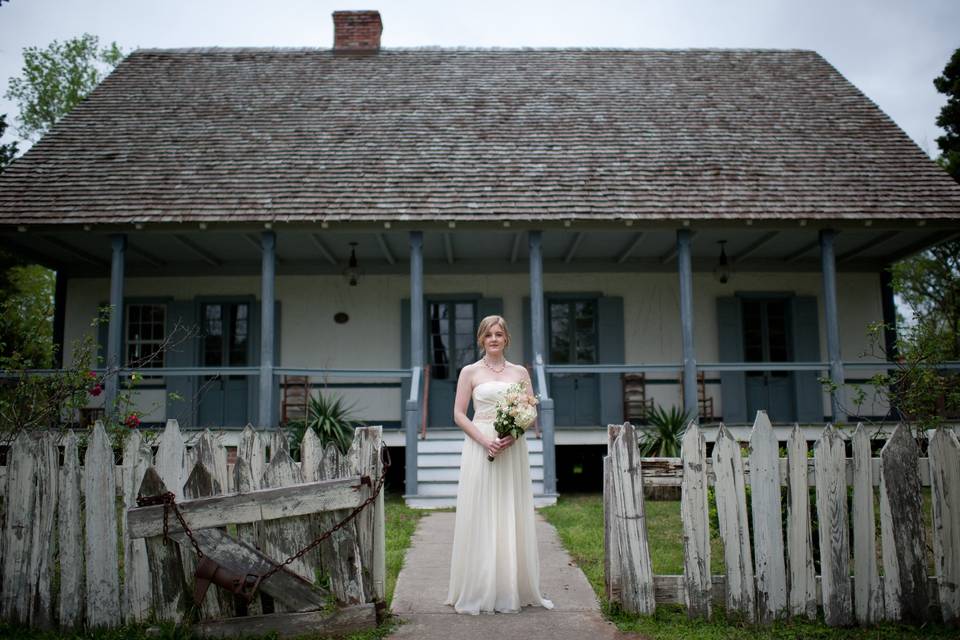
<point>356,31</point>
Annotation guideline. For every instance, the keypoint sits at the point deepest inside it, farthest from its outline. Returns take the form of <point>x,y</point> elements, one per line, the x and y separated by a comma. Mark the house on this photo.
<point>292,202</point>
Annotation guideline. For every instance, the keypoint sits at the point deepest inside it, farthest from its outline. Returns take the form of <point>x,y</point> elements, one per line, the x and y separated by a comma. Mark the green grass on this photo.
<point>400,525</point>
<point>579,522</point>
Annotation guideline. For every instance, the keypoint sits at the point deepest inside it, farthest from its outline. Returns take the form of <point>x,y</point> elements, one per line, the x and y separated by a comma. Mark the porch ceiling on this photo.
<point>464,250</point>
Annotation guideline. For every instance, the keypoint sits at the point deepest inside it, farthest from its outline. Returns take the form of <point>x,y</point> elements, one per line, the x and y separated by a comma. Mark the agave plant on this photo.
<point>661,438</point>
<point>331,419</point>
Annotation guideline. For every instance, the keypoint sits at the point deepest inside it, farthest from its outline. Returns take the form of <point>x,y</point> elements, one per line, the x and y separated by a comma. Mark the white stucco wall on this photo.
<point>371,339</point>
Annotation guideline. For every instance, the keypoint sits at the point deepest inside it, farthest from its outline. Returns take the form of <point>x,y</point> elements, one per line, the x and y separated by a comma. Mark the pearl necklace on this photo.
<point>487,365</point>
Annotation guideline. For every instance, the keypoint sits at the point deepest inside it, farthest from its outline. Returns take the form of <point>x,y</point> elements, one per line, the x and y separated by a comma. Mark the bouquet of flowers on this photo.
<point>515,412</point>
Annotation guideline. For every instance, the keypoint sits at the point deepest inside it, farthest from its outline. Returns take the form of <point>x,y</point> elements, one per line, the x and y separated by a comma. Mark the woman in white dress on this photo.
<point>495,566</point>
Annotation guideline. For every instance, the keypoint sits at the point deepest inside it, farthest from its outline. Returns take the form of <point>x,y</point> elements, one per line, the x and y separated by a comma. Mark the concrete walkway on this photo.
<point>422,588</point>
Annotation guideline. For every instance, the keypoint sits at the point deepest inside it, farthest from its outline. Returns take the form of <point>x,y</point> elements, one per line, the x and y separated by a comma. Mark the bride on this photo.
<point>495,565</point>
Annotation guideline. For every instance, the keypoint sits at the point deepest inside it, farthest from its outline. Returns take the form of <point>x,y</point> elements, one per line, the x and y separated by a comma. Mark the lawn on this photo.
<point>400,524</point>
<point>579,521</point>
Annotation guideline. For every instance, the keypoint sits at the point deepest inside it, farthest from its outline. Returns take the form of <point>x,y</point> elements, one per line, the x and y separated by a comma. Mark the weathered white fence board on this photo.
<point>284,538</point>
<point>637,594</point>
<point>253,450</point>
<point>171,460</point>
<point>340,622</point>
<point>20,505</point>
<point>868,598</point>
<point>767,525</point>
<point>944,454</point>
<point>265,504</point>
<point>311,456</point>
<point>168,586</point>
<point>369,523</point>
<point>296,593</point>
<point>101,557</point>
<point>340,553</point>
<point>901,529</point>
<point>694,513</point>
<point>611,553</point>
<point>734,529</point>
<point>803,584</point>
<point>70,536</point>
<point>667,472</point>
<point>834,539</point>
<point>201,483</point>
<point>248,533</point>
<point>137,458</point>
<point>42,552</point>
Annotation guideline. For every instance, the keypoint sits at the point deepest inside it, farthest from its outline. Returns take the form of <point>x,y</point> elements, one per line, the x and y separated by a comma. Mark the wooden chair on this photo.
<point>704,402</point>
<point>296,395</point>
<point>636,405</point>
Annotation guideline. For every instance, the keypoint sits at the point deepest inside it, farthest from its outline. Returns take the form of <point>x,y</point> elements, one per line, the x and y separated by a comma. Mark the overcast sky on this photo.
<point>890,49</point>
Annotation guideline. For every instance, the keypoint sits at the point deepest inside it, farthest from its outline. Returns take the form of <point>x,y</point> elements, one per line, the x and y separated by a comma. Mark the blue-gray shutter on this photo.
<point>733,384</point>
<point>494,307</point>
<point>806,348</point>
<point>182,355</point>
<point>610,350</point>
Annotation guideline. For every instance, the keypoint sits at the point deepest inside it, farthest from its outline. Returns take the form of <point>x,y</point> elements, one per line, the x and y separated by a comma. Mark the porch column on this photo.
<point>416,359</point>
<point>538,348</point>
<point>889,307</point>
<point>685,268</point>
<point>59,316</point>
<point>268,253</point>
<point>118,243</point>
<point>829,268</point>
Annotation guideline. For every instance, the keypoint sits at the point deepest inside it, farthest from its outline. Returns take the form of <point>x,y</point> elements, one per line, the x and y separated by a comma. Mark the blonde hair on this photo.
<point>488,323</point>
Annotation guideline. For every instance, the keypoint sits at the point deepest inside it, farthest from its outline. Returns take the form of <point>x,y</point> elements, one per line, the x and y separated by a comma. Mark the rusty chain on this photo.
<point>169,501</point>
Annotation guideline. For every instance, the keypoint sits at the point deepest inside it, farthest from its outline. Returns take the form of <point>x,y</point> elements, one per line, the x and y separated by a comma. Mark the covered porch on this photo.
<point>579,340</point>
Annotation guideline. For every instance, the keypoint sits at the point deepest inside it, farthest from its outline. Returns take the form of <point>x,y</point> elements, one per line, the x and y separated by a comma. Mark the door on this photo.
<point>572,327</point>
<point>451,345</point>
<point>225,342</point>
<point>766,338</point>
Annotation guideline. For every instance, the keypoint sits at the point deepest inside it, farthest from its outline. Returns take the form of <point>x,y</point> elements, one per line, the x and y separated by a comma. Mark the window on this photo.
<point>145,334</point>
<point>452,339</point>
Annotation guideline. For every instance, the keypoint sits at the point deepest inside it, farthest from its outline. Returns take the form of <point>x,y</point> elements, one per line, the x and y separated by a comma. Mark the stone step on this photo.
<point>452,474</point>
<point>446,501</point>
<point>451,445</point>
<point>433,460</point>
<point>450,488</point>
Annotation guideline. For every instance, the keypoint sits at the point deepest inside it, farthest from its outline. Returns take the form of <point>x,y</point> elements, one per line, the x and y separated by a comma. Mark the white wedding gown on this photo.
<point>495,566</point>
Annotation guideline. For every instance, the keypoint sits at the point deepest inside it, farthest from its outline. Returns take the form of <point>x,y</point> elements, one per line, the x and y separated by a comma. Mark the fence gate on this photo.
<point>241,522</point>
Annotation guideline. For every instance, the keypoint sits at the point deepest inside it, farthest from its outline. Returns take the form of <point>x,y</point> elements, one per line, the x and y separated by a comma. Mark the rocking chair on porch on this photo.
<point>704,402</point>
<point>296,395</point>
<point>636,405</point>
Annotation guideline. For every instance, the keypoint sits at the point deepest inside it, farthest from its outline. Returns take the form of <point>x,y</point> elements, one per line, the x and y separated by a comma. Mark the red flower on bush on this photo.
<point>96,390</point>
<point>132,421</point>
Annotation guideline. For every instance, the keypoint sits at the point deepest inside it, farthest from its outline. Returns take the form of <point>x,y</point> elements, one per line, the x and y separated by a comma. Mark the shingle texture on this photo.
<point>274,134</point>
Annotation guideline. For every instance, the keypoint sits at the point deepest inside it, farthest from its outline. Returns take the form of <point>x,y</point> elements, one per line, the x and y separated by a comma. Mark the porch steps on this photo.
<point>438,470</point>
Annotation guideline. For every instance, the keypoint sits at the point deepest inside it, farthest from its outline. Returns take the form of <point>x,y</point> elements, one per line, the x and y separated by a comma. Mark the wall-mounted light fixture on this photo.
<point>722,272</point>
<point>352,272</point>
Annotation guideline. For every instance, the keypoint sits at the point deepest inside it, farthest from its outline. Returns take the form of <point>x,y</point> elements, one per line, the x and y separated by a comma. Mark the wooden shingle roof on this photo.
<point>422,134</point>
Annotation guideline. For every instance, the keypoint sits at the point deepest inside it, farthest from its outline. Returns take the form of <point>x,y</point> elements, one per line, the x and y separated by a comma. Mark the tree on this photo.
<point>56,79</point>
<point>949,118</point>
<point>930,283</point>
<point>7,151</point>
<point>26,314</point>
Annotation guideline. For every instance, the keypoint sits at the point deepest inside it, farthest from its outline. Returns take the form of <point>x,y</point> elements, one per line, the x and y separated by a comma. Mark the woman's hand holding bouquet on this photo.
<point>516,412</point>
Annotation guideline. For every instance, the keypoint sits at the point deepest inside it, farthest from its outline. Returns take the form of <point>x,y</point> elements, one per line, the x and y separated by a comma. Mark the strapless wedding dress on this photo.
<point>495,566</point>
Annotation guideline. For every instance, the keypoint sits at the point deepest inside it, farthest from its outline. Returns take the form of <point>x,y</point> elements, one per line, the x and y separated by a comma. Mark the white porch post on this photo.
<point>416,359</point>
<point>268,246</point>
<point>829,268</point>
<point>115,328</point>
<point>538,348</point>
<point>685,268</point>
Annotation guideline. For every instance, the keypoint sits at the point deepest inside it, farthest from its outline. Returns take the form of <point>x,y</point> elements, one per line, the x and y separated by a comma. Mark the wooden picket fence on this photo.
<point>81,525</point>
<point>769,575</point>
